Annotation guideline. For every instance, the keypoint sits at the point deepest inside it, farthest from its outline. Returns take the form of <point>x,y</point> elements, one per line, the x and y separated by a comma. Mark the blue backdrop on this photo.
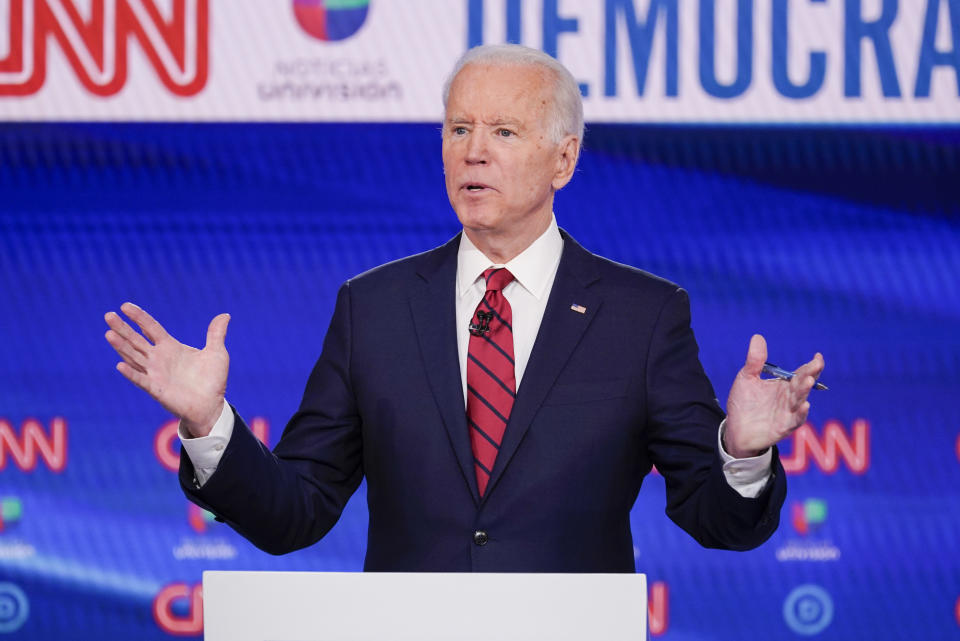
<point>845,241</point>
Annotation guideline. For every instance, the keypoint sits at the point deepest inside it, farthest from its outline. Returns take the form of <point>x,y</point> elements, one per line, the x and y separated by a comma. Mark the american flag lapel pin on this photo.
<point>580,309</point>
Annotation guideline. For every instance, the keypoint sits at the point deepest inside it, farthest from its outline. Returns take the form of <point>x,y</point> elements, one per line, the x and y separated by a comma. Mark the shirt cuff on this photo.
<point>748,476</point>
<point>205,452</point>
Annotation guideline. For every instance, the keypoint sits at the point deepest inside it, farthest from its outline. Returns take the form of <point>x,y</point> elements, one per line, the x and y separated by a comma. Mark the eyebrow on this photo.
<point>500,120</point>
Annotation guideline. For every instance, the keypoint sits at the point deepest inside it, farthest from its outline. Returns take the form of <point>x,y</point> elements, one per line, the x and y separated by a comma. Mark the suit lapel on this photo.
<point>434,314</point>
<point>560,332</point>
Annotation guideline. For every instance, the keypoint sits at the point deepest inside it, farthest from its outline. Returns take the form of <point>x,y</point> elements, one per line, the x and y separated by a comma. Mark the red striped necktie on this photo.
<point>491,383</point>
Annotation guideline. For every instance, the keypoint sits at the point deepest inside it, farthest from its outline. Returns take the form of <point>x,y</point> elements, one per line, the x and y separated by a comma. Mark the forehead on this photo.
<point>483,91</point>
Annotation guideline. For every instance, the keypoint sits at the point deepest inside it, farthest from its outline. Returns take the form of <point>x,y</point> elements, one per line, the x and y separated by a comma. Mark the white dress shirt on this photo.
<point>534,271</point>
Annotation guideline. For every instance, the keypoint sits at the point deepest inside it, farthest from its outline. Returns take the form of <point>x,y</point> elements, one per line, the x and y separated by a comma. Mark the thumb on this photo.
<point>217,331</point>
<point>756,356</point>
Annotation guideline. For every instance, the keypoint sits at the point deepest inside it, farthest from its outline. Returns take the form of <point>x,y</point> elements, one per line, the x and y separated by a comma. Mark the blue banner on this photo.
<point>844,241</point>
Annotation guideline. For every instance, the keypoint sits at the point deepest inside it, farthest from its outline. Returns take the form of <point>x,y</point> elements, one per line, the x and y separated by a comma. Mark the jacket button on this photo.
<point>480,537</point>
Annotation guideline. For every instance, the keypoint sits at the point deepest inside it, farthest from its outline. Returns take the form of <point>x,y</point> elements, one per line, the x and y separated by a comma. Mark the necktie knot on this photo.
<point>497,278</point>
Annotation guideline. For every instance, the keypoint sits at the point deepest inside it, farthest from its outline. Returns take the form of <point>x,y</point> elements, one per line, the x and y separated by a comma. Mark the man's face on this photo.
<point>500,163</point>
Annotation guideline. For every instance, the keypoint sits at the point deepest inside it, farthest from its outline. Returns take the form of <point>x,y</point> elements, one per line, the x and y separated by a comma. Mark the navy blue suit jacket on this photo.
<point>606,393</point>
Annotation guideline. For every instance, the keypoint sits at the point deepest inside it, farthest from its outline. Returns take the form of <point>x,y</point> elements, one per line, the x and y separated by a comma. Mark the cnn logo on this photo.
<point>826,451</point>
<point>97,48</point>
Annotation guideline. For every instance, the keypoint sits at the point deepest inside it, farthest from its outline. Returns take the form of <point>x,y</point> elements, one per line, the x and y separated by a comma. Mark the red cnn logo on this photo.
<point>97,49</point>
<point>828,450</point>
<point>658,608</point>
<point>33,440</point>
<point>166,436</point>
<point>170,622</point>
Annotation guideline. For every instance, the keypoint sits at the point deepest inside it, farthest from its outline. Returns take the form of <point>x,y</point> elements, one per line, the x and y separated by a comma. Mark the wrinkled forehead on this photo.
<point>485,91</point>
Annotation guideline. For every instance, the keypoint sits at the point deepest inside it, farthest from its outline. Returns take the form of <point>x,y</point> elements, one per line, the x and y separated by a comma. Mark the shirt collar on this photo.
<point>531,268</point>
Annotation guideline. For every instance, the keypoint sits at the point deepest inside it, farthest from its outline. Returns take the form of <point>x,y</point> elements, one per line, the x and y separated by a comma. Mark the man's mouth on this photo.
<point>474,188</point>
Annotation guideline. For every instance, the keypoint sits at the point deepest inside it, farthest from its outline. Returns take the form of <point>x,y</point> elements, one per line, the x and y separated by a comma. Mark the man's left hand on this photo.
<point>761,412</point>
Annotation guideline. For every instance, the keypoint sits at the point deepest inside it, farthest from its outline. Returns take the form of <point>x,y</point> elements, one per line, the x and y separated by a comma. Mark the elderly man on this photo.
<point>507,408</point>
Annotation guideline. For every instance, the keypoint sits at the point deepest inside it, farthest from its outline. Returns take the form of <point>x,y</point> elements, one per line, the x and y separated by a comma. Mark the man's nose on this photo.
<point>477,148</point>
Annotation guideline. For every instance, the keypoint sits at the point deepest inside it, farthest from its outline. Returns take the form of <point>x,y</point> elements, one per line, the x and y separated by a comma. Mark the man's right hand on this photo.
<point>187,382</point>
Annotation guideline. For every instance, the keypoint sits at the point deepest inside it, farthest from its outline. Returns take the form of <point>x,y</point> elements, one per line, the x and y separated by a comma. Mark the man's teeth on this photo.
<point>474,187</point>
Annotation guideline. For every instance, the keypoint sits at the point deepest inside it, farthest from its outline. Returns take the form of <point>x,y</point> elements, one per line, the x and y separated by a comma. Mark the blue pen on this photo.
<point>785,375</point>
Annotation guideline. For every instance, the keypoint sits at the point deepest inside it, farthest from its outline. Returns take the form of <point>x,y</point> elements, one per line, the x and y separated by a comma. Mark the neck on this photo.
<point>501,248</point>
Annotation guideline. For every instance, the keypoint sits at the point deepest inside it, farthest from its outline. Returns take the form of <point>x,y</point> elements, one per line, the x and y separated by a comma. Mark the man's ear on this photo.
<point>568,152</point>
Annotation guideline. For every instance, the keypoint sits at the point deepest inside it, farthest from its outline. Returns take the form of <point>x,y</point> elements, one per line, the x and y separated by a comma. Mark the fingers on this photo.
<point>800,416</point>
<point>805,378</point>
<point>799,389</point>
<point>126,332</point>
<point>813,368</point>
<point>131,346</point>
<point>798,393</point>
<point>217,331</point>
<point>756,356</point>
<point>137,378</point>
<point>150,328</point>
<point>135,359</point>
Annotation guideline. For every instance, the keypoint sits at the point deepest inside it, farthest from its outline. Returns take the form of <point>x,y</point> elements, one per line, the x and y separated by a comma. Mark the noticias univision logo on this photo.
<point>331,19</point>
<point>202,548</point>
<point>11,514</point>
<point>11,510</point>
<point>199,518</point>
<point>808,519</point>
<point>808,516</point>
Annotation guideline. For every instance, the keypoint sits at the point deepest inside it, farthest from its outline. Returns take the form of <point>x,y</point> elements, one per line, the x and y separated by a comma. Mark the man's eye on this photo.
<point>504,133</point>
<point>459,131</point>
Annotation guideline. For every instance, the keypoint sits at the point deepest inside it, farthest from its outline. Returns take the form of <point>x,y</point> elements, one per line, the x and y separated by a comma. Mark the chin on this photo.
<point>477,218</point>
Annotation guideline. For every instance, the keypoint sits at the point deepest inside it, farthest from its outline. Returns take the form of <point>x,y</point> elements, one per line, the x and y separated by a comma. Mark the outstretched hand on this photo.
<point>761,412</point>
<point>187,382</point>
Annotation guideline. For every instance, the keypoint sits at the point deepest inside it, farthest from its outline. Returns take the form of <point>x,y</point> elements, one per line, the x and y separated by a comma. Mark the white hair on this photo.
<point>567,109</point>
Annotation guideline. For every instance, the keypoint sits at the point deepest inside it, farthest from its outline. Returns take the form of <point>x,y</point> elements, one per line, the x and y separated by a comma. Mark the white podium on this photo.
<point>321,606</point>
